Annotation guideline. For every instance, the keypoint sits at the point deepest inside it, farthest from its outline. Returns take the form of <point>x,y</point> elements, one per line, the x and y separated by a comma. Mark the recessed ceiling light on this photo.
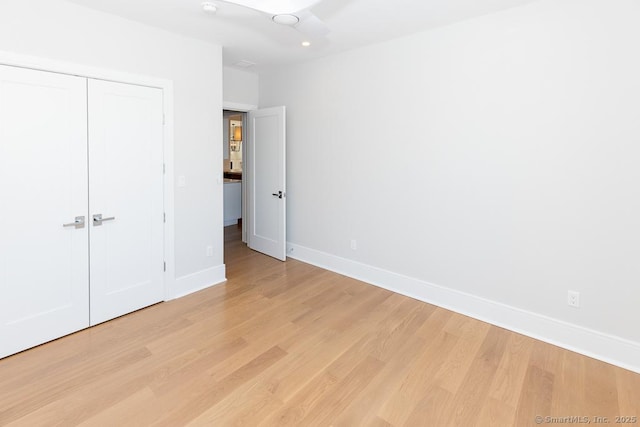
<point>209,7</point>
<point>286,19</point>
<point>306,44</point>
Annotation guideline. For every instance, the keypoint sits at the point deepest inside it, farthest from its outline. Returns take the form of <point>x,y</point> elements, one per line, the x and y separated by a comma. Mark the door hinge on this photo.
<point>165,266</point>
<point>163,122</point>
<point>164,217</point>
<point>164,168</point>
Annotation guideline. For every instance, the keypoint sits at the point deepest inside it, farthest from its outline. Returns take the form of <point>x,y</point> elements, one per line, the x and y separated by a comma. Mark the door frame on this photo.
<point>242,108</point>
<point>62,67</point>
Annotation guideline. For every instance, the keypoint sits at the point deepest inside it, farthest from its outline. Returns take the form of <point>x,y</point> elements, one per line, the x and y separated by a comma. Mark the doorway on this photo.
<point>234,142</point>
<point>258,172</point>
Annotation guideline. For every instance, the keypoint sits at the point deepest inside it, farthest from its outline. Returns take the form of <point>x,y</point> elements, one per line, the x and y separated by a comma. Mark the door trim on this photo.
<point>242,108</point>
<point>62,67</point>
<point>245,109</point>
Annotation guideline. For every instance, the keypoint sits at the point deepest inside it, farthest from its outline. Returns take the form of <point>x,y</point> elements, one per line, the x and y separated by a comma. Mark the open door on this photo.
<point>266,175</point>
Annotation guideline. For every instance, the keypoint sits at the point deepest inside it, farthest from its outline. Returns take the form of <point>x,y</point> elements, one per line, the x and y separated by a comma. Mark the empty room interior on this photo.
<point>319,212</point>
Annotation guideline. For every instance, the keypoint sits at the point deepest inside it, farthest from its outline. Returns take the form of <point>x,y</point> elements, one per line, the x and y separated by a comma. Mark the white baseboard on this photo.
<point>195,282</point>
<point>608,348</point>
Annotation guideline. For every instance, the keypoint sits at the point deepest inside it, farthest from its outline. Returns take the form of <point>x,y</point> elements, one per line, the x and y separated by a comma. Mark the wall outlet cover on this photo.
<point>573,299</point>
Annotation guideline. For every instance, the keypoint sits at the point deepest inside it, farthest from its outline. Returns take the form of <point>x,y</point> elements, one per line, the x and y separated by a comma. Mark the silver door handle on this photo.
<point>98,220</point>
<point>78,223</point>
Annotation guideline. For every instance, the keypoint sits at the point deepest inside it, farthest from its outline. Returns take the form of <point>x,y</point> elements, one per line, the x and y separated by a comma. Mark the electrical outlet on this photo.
<point>354,244</point>
<point>209,250</point>
<point>573,299</point>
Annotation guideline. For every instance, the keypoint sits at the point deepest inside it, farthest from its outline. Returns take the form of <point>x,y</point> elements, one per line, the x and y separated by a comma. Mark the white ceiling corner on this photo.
<point>249,35</point>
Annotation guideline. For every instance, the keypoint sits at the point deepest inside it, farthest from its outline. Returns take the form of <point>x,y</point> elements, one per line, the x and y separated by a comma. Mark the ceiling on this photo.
<point>251,36</point>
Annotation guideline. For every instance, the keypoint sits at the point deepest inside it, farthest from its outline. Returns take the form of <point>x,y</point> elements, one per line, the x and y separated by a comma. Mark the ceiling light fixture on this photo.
<point>306,44</point>
<point>209,7</point>
<point>286,19</point>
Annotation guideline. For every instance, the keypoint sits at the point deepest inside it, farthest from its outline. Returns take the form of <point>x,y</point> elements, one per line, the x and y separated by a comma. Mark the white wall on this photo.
<point>61,31</point>
<point>494,162</point>
<point>240,88</point>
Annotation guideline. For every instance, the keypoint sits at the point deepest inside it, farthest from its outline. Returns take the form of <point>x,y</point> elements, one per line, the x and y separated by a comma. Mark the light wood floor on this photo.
<point>292,344</point>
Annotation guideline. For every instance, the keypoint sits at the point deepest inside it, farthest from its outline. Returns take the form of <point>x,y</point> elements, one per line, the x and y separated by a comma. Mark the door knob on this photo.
<point>279,194</point>
<point>78,223</point>
<point>98,220</point>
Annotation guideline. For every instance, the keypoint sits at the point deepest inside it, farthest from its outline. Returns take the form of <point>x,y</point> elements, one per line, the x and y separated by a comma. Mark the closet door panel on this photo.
<point>126,184</point>
<point>43,185</point>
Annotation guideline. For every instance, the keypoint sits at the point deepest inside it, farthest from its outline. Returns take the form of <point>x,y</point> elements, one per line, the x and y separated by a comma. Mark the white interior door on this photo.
<point>126,188</point>
<point>44,289</point>
<point>267,182</point>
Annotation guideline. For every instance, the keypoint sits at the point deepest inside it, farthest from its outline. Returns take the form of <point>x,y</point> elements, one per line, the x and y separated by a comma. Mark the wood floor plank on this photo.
<point>455,367</point>
<point>292,344</point>
<point>434,408</point>
<point>435,324</point>
<point>496,413</point>
<point>507,383</point>
<point>569,388</point>
<point>601,390</point>
<point>202,398</point>
<point>301,403</point>
<point>248,405</point>
<point>361,411</point>
<point>628,393</point>
<point>122,411</point>
<point>332,404</point>
<point>473,394</point>
<point>535,396</point>
<point>419,381</point>
<point>22,404</point>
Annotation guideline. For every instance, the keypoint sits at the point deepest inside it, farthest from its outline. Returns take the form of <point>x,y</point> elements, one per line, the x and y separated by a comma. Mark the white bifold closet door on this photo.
<point>71,149</point>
